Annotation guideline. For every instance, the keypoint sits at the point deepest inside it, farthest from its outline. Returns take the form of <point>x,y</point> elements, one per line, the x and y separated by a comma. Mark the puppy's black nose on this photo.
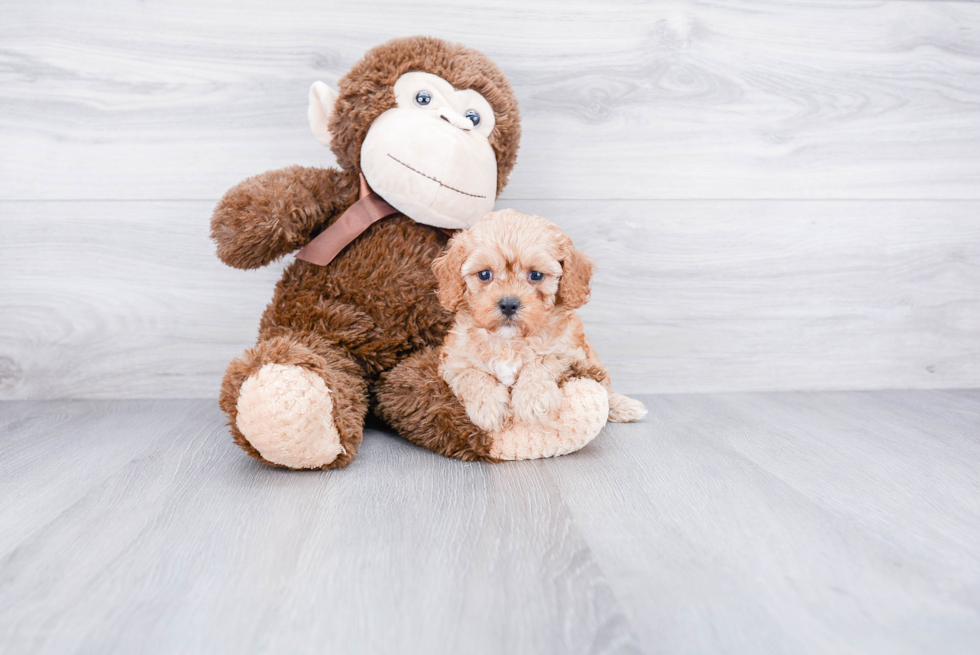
<point>509,306</point>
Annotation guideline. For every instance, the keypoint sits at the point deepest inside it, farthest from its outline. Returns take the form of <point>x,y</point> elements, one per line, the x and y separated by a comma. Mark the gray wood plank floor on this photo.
<point>751,523</point>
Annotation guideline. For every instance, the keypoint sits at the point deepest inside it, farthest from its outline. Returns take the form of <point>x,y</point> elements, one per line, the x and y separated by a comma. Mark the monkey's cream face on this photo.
<point>430,157</point>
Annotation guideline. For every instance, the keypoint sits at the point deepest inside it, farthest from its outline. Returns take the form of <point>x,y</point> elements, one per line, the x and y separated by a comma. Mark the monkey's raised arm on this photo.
<point>273,214</point>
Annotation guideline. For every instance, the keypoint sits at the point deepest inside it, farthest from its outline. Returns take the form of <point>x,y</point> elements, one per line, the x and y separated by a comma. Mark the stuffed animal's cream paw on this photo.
<point>582,414</point>
<point>286,414</point>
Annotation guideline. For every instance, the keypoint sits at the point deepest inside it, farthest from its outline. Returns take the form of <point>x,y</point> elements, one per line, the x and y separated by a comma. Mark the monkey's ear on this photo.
<point>322,99</point>
<point>449,272</point>
<point>576,273</point>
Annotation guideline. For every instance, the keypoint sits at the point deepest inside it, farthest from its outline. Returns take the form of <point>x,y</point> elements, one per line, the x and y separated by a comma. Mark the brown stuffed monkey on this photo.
<point>425,133</point>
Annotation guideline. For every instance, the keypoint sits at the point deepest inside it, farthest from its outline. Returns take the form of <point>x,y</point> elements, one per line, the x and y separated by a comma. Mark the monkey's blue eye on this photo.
<point>485,276</point>
<point>423,98</point>
<point>535,276</point>
<point>473,116</point>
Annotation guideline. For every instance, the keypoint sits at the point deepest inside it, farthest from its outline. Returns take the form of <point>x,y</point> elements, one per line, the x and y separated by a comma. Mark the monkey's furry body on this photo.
<point>362,331</point>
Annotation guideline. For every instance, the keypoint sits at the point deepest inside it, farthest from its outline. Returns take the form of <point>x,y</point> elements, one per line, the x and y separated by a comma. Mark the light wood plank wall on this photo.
<point>780,195</point>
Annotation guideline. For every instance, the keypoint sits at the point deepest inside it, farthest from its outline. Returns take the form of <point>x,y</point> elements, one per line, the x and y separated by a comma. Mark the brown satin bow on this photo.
<point>368,210</point>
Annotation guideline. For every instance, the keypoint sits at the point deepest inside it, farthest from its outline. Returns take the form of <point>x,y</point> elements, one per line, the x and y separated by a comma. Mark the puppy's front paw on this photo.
<point>536,402</point>
<point>623,409</point>
<point>490,411</point>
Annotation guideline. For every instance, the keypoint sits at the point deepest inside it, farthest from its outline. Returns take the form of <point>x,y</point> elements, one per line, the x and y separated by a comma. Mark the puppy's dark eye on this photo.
<point>485,276</point>
<point>423,98</point>
<point>535,276</point>
<point>473,116</point>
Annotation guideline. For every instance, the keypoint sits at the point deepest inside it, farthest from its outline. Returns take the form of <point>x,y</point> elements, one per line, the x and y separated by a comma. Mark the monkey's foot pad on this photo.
<point>286,413</point>
<point>582,414</point>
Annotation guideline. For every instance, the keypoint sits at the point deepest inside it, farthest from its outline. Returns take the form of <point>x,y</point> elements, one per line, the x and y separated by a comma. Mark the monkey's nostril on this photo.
<point>454,119</point>
<point>508,306</point>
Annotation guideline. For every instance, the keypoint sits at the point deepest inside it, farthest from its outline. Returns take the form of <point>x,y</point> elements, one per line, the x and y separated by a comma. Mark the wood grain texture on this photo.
<point>790,523</point>
<point>631,104</point>
<point>683,99</point>
<point>126,299</point>
<point>120,300</point>
<point>798,523</point>
<point>189,546</point>
<point>726,296</point>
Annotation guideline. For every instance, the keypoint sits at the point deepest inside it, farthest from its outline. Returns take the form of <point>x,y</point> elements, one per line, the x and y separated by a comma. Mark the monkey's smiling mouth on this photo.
<point>439,182</point>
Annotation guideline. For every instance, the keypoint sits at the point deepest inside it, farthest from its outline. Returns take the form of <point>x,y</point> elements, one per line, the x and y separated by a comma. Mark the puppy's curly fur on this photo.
<point>514,281</point>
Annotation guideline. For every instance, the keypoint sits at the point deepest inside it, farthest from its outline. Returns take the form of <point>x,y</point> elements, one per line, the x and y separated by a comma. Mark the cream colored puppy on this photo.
<point>514,282</point>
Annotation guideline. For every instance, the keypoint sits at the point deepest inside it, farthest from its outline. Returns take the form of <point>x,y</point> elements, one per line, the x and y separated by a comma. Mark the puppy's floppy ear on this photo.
<point>576,273</point>
<point>449,271</point>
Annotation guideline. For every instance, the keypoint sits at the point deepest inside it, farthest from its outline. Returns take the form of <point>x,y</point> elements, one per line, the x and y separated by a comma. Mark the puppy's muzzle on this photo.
<point>508,306</point>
